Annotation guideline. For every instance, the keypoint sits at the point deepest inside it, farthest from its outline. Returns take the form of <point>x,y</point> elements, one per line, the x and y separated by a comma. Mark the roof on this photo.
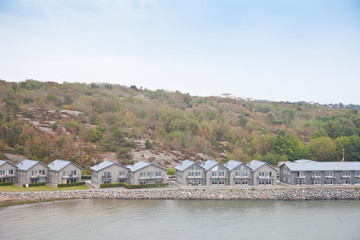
<point>209,164</point>
<point>185,165</point>
<point>303,160</point>
<point>139,165</point>
<point>322,166</point>
<point>57,165</point>
<point>255,164</point>
<point>103,165</point>
<point>230,165</point>
<point>2,162</point>
<point>27,164</point>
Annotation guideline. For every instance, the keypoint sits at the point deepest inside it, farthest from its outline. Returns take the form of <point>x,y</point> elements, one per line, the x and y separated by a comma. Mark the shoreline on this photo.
<point>282,194</point>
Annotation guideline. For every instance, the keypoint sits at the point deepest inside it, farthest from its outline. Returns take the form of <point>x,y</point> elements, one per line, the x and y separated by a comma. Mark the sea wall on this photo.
<point>192,194</point>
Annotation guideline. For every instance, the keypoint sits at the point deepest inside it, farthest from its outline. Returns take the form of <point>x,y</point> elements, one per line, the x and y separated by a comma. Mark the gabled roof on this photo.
<point>303,160</point>
<point>139,165</point>
<point>27,164</point>
<point>185,165</point>
<point>103,165</point>
<point>255,164</point>
<point>209,164</point>
<point>2,162</point>
<point>230,165</point>
<point>57,165</point>
<point>322,166</point>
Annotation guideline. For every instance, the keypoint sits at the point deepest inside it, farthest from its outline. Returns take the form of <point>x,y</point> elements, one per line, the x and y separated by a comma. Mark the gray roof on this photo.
<point>139,165</point>
<point>27,164</point>
<point>209,164</point>
<point>2,162</point>
<point>303,160</point>
<point>322,166</point>
<point>185,165</point>
<point>57,165</point>
<point>230,165</point>
<point>103,165</point>
<point>255,164</point>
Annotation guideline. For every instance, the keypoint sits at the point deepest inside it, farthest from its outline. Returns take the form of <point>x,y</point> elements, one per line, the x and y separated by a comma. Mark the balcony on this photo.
<point>316,176</point>
<point>37,176</point>
<point>71,176</point>
<point>242,177</point>
<point>151,177</point>
<point>106,176</point>
<point>192,177</point>
<point>122,177</point>
<point>300,177</point>
<point>7,175</point>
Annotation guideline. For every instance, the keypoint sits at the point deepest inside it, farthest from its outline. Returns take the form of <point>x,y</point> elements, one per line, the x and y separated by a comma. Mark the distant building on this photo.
<point>109,172</point>
<point>7,172</point>
<point>215,173</point>
<point>30,171</point>
<point>238,173</point>
<point>61,171</point>
<point>189,173</point>
<point>262,173</point>
<point>146,173</point>
<point>307,172</point>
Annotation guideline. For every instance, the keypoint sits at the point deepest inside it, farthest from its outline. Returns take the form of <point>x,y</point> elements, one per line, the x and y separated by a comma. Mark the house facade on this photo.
<point>30,171</point>
<point>238,173</point>
<point>190,173</point>
<point>146,173</point>
<point>7,172</point>
<point>262,173</point>
<point>215,173</point>
<point>61,171</point>
<point>320,173</point>
<point>109,172</point>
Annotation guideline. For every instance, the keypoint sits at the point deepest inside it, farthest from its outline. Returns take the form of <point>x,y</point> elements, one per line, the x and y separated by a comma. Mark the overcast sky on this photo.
<point>276,50</point>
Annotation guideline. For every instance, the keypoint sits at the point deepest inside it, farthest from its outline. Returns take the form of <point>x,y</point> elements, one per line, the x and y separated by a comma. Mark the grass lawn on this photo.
<point>14,188</point>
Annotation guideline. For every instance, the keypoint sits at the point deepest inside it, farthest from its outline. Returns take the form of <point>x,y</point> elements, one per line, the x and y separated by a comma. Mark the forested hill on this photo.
<point>86,123</point>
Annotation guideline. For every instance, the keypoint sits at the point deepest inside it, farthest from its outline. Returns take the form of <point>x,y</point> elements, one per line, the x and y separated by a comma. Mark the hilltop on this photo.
<point>87,123</point>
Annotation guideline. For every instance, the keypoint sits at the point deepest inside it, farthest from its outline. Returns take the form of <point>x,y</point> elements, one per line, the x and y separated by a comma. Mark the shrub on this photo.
<point>148,144</point>
<point>145,185</point>
<point>109,185</point>
<point>6,183</point>
<point>253,189</point>
<point>71,184</point>
<point>86,177</point>
<point>357,188</point>
<point>35,184</point>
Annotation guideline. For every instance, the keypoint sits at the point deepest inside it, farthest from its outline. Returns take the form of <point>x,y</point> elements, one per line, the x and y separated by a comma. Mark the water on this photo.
<point>171,219</point>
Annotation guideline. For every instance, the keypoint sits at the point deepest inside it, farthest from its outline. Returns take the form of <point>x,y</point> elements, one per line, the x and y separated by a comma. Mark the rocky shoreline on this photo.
<point>191,194</point>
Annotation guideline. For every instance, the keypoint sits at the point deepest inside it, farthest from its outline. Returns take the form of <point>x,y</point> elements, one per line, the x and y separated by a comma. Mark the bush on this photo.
<point>148,144</point>
<point>156,185</point>
<point>71,184</point>
<point>35,184</point>
<point>6,183</point>
<point>109,185</point>
<point>86,177</point>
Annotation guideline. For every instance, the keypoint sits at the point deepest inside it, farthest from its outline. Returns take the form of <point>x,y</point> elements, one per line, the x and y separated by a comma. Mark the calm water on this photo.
<point>148,219</point>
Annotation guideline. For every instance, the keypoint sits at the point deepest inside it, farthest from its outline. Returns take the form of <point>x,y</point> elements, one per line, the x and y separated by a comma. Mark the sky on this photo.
<point>280,50</point>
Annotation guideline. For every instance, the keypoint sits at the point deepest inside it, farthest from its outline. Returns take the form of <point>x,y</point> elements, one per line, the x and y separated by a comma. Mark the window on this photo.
<point>106,174</point>
<point>329,181</point>
<point>301,174</point>
<point>317,174</point>
<point>317,181</point>
<point>357,173</point>
<point>328,173</point>
<point>218,171</point>
<point>346,173</point>
<point>122,173</point>
<point>345,181</point>
<point>301,181</point>
<point>357,181</point>
<point>194,171</point>
<point>265,174</point>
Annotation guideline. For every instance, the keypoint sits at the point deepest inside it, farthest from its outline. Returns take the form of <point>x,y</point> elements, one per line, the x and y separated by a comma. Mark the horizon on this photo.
<point>278,51</point>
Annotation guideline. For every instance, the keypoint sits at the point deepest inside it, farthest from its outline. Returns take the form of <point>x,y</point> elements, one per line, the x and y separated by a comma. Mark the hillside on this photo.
<point>87,123</point>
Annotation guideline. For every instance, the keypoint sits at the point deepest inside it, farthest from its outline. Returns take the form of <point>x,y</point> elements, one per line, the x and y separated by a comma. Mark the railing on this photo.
<point>8,175</point>
<point>151,177</point>
<point>106,176</point>
<point>70,176</point>
<point>38,175</point>
<point>195,176</point>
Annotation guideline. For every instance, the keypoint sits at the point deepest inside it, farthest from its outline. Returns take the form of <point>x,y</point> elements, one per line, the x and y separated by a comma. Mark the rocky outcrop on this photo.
<point>192,194</point>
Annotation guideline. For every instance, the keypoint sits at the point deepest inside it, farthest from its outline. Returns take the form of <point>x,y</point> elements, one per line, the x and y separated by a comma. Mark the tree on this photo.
<point>288,144</point>
<point>148,144</point>
<point>116,142</point>
<point>171,171</point>
<point>323,148</point>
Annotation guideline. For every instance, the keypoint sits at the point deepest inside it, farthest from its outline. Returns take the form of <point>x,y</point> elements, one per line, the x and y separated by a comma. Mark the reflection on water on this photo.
<point>171,219</point>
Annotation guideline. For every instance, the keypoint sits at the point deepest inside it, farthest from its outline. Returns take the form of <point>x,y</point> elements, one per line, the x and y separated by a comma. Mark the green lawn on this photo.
<point>14,188</point>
